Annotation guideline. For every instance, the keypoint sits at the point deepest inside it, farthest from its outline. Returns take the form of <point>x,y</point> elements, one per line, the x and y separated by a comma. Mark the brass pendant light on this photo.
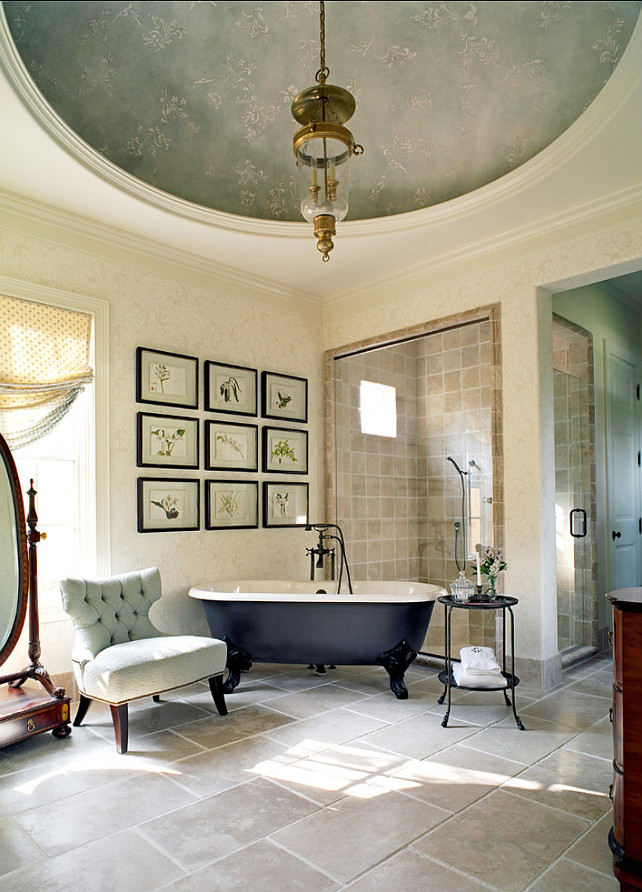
<point>323,146</point>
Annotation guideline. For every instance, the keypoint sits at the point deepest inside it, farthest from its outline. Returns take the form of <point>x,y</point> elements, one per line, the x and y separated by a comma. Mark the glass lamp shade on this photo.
<point>322,164</point>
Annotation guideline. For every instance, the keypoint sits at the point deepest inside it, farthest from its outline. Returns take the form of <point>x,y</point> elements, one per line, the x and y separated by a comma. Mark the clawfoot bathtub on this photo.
<point>284,621</point>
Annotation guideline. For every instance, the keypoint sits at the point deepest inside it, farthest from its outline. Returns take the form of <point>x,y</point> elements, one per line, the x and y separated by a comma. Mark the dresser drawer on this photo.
<point>44,716</point>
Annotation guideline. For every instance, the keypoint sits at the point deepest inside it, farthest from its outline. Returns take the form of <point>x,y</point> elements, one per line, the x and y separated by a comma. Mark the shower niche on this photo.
<point>398,408</point>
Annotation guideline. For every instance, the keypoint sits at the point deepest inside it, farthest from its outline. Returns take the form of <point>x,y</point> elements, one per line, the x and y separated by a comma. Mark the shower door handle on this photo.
<point>577,522</point>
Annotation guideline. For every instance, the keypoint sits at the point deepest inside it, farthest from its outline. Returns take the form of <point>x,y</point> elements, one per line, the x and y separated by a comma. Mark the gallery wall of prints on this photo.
<point>229,459</point>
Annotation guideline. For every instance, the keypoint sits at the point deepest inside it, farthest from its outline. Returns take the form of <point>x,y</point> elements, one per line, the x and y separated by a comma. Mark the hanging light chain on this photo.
<point>323,72</point>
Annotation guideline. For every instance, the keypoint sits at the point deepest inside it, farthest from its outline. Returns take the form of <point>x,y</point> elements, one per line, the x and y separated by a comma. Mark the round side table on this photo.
<point>503,603</point>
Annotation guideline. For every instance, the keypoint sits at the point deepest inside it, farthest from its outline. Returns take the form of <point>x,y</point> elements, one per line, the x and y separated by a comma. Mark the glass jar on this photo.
<point>462,589</point>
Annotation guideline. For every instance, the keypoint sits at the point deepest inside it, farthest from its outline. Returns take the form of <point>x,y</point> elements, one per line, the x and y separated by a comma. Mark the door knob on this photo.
<point>615,535</point>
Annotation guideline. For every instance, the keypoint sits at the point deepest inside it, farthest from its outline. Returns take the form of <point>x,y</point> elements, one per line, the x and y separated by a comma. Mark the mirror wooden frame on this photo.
<point>24,713</point>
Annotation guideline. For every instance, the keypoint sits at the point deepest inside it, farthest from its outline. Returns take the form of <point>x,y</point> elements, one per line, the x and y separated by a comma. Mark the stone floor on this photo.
<point>316,783</point>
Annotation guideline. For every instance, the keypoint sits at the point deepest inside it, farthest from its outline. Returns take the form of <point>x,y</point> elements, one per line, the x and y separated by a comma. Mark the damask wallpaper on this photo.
<point>194,97</point>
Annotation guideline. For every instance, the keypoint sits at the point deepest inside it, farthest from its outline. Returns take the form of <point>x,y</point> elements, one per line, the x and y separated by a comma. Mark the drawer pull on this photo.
<point>611,792</point>
<point>609,637</point>
<point>611,715</point>
<point>31,725</point>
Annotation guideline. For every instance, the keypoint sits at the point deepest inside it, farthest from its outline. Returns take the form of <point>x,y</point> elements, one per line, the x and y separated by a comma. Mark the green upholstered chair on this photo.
<point>119,655</point>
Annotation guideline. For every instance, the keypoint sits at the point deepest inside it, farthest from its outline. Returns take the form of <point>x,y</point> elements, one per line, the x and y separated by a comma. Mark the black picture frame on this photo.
<point>231,446</point>
<point>285,504</point>
<point>285,450</point>
<point>167,441</point>
<point>231,505</point>
<point>168,504</point>
<point>231,389</point>
<point>167,379</point>
<point>284,397</point>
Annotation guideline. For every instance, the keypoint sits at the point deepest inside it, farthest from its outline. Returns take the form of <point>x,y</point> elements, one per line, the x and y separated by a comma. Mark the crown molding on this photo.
<point>43,221</point>
<point>607,212</point>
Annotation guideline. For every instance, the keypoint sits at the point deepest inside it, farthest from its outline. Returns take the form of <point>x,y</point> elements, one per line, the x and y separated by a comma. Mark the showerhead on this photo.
<point>457,468</point>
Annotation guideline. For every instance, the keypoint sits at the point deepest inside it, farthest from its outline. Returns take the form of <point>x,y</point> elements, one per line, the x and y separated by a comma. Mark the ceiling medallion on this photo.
<point>322,146</point>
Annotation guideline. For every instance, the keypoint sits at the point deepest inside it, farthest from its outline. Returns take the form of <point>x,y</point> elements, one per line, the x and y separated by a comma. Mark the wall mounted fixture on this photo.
<point>322,145</point>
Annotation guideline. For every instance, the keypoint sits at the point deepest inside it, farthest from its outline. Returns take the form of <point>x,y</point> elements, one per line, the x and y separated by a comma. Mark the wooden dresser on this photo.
<point>625,837</point>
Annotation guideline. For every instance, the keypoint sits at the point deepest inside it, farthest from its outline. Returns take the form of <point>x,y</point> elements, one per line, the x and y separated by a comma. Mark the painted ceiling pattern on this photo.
<point>194,97</point>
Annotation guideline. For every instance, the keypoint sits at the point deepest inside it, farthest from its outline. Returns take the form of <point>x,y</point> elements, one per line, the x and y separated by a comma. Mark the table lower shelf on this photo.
<point>511,682</point>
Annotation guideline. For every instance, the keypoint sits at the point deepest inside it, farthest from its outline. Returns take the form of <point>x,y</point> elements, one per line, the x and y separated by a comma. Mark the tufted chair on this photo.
<point>119,655</point>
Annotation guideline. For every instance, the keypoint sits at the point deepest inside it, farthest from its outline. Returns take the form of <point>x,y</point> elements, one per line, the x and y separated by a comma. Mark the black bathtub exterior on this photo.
<point>342,633</point>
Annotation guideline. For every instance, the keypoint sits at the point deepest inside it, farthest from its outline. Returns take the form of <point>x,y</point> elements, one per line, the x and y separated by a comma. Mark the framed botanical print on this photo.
<point>230,388</point>
<point>231,504</point>
<point>170,379</point>
<point>285,504</point>
<point>166,504</point>
<point>166,441</point>
<point>230,446</point>
<point>284,397</point>
<point>285,451</point>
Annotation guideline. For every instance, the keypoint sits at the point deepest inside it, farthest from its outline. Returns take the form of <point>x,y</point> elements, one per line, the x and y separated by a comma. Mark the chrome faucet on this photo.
<point>321,551</point>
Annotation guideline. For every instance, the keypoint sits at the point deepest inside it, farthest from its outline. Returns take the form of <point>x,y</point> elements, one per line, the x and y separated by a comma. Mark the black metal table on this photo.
<point>504,604</point>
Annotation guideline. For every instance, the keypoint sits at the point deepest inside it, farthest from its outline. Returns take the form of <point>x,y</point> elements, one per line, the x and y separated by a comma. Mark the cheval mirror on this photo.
<point>32,710</point>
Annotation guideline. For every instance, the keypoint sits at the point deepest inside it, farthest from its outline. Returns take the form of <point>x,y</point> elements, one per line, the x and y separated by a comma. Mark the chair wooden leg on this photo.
<point>81,712</point>
<point>156,698</point>
<point>121,726</point>
<point>216,687</point>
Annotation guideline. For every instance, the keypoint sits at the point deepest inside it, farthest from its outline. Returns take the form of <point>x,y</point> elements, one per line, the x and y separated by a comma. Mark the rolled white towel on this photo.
<point>483,680</point>
<point>476,659</point>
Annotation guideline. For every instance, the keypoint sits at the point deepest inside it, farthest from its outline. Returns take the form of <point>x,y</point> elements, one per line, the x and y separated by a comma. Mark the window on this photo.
<point>378,406</point>
<point>69,465</point>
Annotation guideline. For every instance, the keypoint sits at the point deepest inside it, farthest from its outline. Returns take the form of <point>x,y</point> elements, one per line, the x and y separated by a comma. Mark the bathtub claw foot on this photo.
<point>395,661</point>
<point>238,660</point>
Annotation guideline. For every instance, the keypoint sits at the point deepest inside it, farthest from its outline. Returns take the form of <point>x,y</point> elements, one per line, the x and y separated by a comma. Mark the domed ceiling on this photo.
<point>194,98</point>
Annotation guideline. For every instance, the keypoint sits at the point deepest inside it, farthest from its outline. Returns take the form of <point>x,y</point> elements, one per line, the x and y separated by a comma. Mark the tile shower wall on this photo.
<point>398,497</point>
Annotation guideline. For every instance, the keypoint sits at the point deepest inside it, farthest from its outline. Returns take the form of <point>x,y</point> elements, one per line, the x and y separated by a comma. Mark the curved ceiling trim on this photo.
<point>596,117</point>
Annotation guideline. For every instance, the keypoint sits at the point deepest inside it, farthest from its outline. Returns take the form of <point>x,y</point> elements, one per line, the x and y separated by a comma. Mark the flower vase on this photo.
<point>491,591</point>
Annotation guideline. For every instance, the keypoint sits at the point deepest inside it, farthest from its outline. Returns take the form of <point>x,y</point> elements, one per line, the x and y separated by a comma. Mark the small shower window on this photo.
<point>378,407</point>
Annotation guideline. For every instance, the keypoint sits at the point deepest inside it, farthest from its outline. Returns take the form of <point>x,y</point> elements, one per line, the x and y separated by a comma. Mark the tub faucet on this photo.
<point>322,550</point>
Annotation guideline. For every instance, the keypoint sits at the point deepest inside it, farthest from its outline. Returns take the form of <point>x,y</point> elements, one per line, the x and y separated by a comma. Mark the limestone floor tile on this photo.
<point>125,863</point>
<point>477,708</point>
<point>17,849</point>
<point>598,683</point>
<point>418,737</point>
<point>570,709</point>
<point>346,839</point>
<point>411,870</point>
<point>592,850</point>
<point>84,817</point>
<point>297,679</point>
<point>330,773</point>
<point>25,790</point>
<point>261,867</point>
<point>595,741</point>
<point>385,706</point>
<point>210,771</point>
<point>456,777</point>
<point>312,701</point>
<point>573,782</point>
<point>503,840</point>
<point>567,875</point>
<point>220,824</point>
<point>505,739</point>
<point>336,726</point>
<point>217,731</point>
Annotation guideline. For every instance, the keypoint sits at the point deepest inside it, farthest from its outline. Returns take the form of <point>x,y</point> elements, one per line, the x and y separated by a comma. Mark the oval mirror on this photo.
<point>14,577</point>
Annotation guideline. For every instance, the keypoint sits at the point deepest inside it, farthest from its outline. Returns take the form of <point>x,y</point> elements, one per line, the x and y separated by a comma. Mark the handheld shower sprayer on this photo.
<point>460,525</point>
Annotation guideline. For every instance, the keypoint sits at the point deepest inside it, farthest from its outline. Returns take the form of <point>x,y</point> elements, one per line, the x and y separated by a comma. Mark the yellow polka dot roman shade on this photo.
<point>44,365</point>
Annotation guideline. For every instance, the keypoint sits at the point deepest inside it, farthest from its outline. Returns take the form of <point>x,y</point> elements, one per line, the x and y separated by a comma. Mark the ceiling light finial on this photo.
<point>322,146</point>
